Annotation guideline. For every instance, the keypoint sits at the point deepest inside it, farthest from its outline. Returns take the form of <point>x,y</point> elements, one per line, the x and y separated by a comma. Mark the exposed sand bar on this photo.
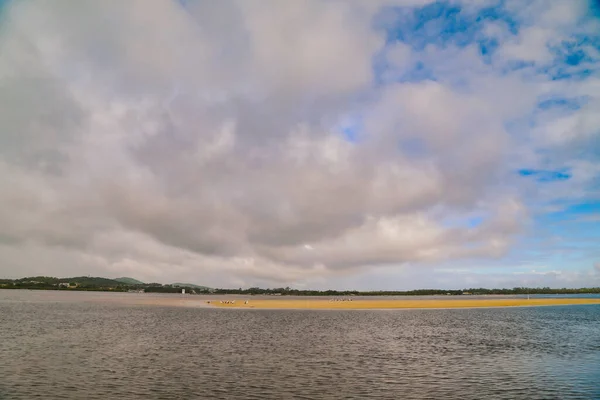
<point>361,303</point>
<point>398,304</point>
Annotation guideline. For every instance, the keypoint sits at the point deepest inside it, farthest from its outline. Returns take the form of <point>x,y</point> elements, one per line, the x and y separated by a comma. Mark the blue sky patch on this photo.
<point>350,129</point>
<point>585,208</point>
<point>442,23</point>
<point>566,73</point>
<point>546,175</point>
<point>562,103</point>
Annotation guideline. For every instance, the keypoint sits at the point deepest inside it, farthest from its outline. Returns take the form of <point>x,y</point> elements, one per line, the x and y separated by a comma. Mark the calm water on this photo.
<point>60,346</point>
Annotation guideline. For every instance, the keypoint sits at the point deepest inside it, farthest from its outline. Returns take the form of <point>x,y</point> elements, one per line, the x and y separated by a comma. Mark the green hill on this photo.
<point>190,285</point>
<point>129,281</point>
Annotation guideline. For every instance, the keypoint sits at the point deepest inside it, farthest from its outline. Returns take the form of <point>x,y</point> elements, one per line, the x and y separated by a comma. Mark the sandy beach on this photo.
<point>397,304</point>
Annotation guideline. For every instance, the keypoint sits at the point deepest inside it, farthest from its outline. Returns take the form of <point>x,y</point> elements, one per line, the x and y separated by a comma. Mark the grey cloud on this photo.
<point>205,138</point>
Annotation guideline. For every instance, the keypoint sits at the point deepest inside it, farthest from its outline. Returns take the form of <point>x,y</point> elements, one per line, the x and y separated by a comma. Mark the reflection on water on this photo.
<point>66,348</point>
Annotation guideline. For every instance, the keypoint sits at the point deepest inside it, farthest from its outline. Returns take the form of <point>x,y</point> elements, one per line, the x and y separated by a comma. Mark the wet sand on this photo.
<point>398,304</point>
<point>361,303</point>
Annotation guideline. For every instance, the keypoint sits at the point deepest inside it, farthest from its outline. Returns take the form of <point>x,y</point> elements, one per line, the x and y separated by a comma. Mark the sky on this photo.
<point>355,144</point>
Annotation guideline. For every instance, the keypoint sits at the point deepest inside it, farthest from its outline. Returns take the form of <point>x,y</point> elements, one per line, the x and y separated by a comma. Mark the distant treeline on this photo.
<point>115,285</point>
<point>418,292</point>
<point>87,283</point>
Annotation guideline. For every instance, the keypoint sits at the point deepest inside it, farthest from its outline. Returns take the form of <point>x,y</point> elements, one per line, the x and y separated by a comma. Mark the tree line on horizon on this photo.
<point>416,292</point>
<point>87,283</point>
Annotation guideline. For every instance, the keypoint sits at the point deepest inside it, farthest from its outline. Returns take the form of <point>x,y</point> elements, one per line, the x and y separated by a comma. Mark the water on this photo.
<point>64,346</point>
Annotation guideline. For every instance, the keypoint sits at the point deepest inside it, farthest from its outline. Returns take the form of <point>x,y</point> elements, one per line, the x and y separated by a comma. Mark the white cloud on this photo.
<point>531,45</point>
<point>202,142</point>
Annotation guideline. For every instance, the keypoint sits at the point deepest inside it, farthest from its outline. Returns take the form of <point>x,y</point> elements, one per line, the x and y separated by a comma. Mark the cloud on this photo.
<point>243,142</point>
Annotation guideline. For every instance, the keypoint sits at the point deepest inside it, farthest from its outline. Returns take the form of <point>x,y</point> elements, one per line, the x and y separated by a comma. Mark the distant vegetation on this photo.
<point>130,284</point>
<point>129,281</point>
<point>419,292</point>
<point>190,285</point>
<point>96,284</point>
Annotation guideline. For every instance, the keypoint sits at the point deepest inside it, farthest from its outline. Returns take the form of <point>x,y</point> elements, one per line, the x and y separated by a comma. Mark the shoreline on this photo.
<point>395,304</point>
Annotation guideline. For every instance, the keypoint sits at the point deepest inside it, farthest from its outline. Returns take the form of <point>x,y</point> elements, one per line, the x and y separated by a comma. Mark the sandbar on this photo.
<point>382,304</point>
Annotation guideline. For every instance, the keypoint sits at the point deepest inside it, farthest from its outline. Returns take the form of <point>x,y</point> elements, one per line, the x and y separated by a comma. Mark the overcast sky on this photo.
<point>376,144</point>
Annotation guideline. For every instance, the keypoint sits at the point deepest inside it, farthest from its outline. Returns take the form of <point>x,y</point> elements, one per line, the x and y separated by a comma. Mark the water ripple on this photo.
<point>74,350</point>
